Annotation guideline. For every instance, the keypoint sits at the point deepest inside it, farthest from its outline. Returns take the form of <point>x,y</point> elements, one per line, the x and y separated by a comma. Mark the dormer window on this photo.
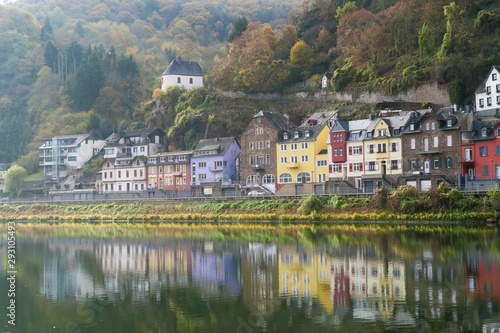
<point>450,122</point>
<point>382,132</point>
<point>296,135</point>
<point>285,135</point>
<point>412,127</point>
<point>308,134</point>
<point>484,132</point>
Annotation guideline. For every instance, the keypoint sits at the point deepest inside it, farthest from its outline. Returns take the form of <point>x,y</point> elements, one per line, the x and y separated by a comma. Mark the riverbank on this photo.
<point>411,209</point>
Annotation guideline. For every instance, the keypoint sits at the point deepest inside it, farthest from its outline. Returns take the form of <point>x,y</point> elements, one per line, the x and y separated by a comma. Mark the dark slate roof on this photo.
<point>276,119</point>
<point>482,86</point>
<point>133,133</point>
<point>489,126</point>
<point>310,129</point>
<point>220,145</point>
<point>180,67</point>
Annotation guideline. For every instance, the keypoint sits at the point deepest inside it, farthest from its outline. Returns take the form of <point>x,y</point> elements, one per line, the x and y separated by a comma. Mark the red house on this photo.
<point>337,151</point>
<point>170,172</point>
<point>481,155</point>
<point>482,277</point>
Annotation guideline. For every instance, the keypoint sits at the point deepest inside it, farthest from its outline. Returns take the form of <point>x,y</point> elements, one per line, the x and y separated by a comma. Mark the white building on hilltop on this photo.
<point>488,94</point>
<point>186,74</point>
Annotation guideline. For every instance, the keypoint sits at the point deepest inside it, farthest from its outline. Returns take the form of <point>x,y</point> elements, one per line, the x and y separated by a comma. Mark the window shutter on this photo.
<point>350,167</point>
<point>432,163</point>
<point>360,150</point>
<point>360,166</point>
<point>416,164</point>
<point>397,146</point>
<point>451,162</point>
<point>376,166</point>
<point>330,168</point>
<point>440,162</point>
<point>409,164</point>
<point>350,150</point>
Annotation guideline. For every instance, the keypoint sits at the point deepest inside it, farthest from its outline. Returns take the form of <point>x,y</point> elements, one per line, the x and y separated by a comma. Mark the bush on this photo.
<point>311,203</point>
<point>379,200</point>
<point>336,201</point>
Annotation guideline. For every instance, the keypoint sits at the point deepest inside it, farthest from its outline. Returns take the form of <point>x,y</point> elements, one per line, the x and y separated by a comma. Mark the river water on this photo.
<point>343,281</point>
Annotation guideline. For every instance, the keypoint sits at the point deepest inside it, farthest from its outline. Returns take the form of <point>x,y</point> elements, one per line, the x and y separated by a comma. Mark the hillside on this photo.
<point>73,67</point>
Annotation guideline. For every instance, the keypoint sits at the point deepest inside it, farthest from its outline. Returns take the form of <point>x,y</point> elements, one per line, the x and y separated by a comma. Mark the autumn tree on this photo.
<point>301,54</point>
<point>286,42</point>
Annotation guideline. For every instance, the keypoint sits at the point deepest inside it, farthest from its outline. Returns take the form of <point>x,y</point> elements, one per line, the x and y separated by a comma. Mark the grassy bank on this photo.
<point>404,204</point>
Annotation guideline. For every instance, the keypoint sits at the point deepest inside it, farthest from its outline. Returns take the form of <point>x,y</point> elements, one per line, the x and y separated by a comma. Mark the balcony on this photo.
<point>258,167</point>
<point>430,152</point>
<point>177,173</point>
<point>292,165</point>
<point>216,169</point>
<point>123,155</point>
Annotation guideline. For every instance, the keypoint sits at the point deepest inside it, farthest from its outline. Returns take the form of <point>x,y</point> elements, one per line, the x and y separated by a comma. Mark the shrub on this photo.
<point>311,203</point>
<point>379,200</point>
<point>336,201</point>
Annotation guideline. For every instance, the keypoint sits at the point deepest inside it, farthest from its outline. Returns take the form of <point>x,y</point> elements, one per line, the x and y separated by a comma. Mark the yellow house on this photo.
<point>383,153</point>
<point>302,158</point>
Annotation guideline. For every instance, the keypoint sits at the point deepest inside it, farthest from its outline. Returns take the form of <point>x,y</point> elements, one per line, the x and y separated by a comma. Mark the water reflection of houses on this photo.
<point>259,268</point>
<point>482,277</point>
<point>360,282</point>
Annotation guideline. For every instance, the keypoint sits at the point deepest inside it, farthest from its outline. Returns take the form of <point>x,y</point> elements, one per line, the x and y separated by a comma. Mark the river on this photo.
<point>352,280</point>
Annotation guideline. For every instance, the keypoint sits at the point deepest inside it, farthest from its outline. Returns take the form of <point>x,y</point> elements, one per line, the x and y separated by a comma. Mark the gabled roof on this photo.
<point>132,133</point>
<point>488,125</point>
<point>310,128</point>
<point>180,67</point>
<point>279,121</point>
<point>219,145</point>
<point>482,86</point>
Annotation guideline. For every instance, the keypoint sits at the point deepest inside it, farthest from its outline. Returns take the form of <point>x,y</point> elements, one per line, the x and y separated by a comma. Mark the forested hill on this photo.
<point>75,66</point>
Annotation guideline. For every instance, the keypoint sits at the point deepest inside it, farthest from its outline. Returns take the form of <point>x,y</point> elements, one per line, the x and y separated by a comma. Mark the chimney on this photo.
<point>288,124</point>
<point>178,58</point>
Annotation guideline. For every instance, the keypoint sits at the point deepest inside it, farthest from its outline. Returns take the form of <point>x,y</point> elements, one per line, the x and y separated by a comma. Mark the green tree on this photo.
<point>425,42</point>
<point>456,92</point>
<point>239,26</point>
<point>15,179</point>
<point>348,8</point>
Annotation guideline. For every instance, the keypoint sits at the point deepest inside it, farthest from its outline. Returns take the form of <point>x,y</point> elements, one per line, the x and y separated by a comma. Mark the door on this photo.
<point>470,174</point>
<point>412,183</point>
<point>497,171</point>
<point>425,185</point>
<point>369,186</point>
<point>318,189</point>
<point>299,189</point>
<point>427,166</point>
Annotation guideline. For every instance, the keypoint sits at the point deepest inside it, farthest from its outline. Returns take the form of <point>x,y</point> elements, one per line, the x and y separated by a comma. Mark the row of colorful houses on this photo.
<point>276,154</point>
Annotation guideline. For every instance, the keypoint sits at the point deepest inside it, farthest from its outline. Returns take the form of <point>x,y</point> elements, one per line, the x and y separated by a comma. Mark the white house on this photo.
<point>187,74</point>
<point>122,175</point>
<point>142,142</point>
<point>67,152</point>
<point>488,94</point>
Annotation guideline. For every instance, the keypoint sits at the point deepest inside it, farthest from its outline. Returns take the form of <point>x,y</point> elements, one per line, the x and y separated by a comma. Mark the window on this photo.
<point>252,160</point>
<point>381,148</point>
<point>449,162</point>
<point>498,97</point>
<point>72,158</point>
<point>484,132</point>
<point>119,174</point>
<point>202,176</point>
<point>304,158</point>
<point>283,160</point>
<point>321,163</point>
<point>340,151</point>
<point>371,149</point>
<point>105,175</point>
<point>282,147</point>
<point>394,164</point>
<point>178,80</point>
<point>468,154</point>
<point>356,167</point>
<point>268,179</point>
<point>412,127</point>
<point>481,102</point>
<point>498,89</point>
<point>371,166</point>
<point>303,145</point>
<point>293,146</point>
<point>252,147</point>
<point>293,159</point>
<point>268,144</point>
<point>436,142</point>
<point>268,159</point>
<point>488,89</point>
<point>394,146</point>
<point>493,76</point>
<point>303,177</point>
<point>485,170</point>
<point>252,180</point>
<point>483,151</point>
<point>488,101</point>
<point>285,178</point>
<point>382,132</point>
<point>285,135</point>
<point>217,164</point>
<point>449,141</point>
<point>335,168</point>
<point>433,125</point>
<point>334,151</point>
<point>190,80</point>
<point>200,165</point>
<point>427,126</point>
<point>497,150</point>
<point>355,150</point>
<point>436,163</point>
<point>412,144</point>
